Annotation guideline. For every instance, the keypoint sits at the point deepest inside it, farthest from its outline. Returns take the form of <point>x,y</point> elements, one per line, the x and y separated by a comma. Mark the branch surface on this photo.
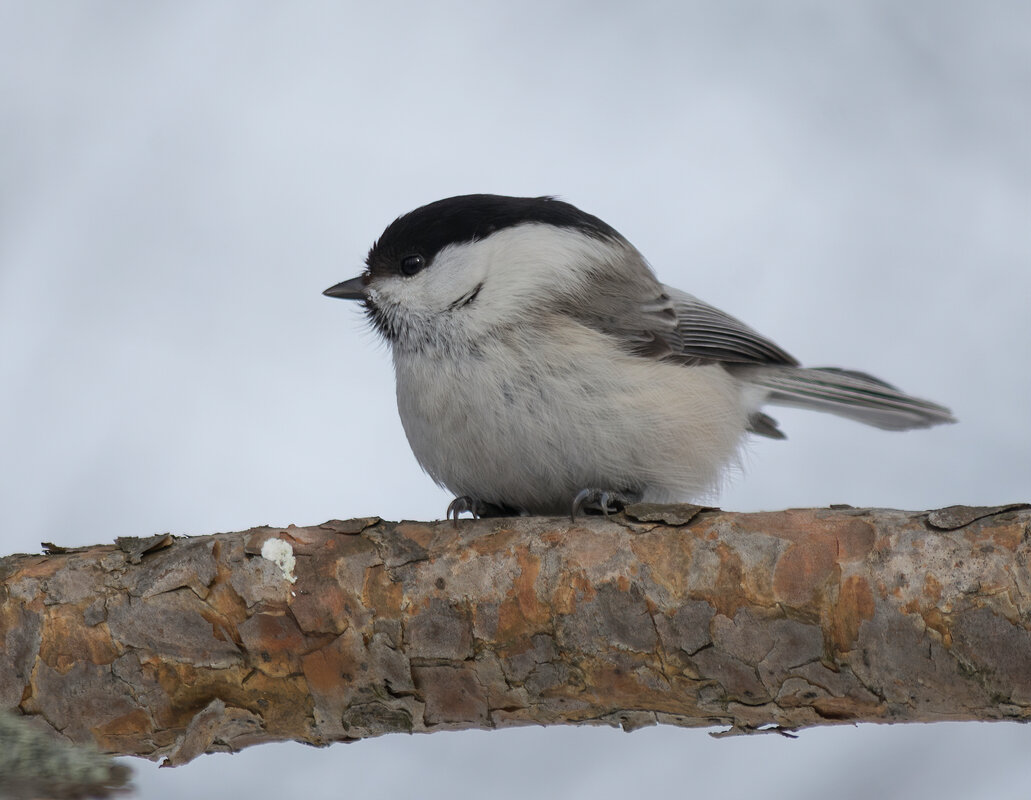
<point>172,647</point>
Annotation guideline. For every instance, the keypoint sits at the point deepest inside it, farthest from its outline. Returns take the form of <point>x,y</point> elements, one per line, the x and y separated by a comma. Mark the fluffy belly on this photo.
<point>532,435</point>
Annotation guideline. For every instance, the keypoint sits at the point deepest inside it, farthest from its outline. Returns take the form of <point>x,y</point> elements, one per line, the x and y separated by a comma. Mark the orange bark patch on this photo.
<point>327,668</point>
<point>574,588</point>
<point>452,694</point>
<point>418,532</point>
<point>282,703</point>
<point>381,593</point>
<point>522,612</point>
<point>855,604</point>
<point>188,689</point>
<point>728,594</point>
<point>132,724</point>
<point>785,524</point>
<point>67,640</point>
<point>592,548</point>
<point>497,542</point>
<point>855,539</point>
<point>324,609</point>
<point>848,708</point>
<point>806,566</point>
<point>274,643</point>
<point>629,685</point>
<point>333,673</point>
<point>932,589</point>
<point>1008,536</point>
<point>46,567</point>
<point>668,562</point>
<point>936,621</point>
<point>224,609</point>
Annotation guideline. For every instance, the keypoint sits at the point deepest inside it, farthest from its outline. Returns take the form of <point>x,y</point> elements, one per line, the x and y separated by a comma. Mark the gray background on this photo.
<point>179,181</point>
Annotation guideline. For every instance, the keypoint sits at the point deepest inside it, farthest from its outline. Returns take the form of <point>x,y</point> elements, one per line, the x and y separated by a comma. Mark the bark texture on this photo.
<point>172,647</point>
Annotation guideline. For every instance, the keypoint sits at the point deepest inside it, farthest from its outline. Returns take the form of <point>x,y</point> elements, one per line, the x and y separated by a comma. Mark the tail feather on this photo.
<point>850,394</point>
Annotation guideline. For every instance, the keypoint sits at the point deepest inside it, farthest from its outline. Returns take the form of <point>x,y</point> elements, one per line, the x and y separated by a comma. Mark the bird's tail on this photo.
<point>850,394</point>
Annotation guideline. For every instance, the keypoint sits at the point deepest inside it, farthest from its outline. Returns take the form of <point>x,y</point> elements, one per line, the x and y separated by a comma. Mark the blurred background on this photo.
<point>179,181</point>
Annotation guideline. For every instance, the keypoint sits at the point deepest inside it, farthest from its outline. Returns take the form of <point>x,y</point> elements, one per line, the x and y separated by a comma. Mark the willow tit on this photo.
<point>541,367</point>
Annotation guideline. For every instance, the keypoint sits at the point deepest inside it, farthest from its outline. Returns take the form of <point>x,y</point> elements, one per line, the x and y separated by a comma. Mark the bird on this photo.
<point>542,368</point>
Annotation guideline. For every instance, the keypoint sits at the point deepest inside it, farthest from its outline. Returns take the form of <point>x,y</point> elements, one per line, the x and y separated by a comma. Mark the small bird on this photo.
<point>542,368</point>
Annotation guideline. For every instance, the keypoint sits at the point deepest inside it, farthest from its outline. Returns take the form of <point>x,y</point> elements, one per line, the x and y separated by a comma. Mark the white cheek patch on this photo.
<point>522,266</point>
<point>498,278</point>
<point>454,274</point>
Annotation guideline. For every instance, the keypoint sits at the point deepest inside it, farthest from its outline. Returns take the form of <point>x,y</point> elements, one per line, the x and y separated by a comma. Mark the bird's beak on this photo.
<point>353,289</point>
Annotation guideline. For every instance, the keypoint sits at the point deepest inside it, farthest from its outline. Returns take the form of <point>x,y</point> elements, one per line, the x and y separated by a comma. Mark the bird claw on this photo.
<point>479,509</point>
<point>600,500</point>
<point>460,505</point>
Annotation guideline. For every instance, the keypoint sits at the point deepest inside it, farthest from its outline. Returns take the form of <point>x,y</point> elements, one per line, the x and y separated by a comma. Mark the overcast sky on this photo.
<point>179,181</point>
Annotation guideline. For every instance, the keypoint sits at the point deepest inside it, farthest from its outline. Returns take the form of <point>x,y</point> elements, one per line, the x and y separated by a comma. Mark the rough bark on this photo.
<point>172,647</point>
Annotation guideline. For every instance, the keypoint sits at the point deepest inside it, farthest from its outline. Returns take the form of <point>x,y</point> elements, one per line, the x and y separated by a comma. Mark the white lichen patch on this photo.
<point>281,554</point>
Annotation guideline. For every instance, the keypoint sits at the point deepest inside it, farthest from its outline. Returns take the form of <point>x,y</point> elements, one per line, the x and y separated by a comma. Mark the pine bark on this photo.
<point>171,647</point>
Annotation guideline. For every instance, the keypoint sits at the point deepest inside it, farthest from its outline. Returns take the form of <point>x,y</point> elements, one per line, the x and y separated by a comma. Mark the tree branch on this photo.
<point>171,647</point>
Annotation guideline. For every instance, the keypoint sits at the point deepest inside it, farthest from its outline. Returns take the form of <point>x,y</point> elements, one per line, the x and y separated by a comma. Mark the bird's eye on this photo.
<point>412,264</point>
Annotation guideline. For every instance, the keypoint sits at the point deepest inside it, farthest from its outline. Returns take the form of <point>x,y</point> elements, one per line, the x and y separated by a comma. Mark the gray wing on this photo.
<point>658,321</point>
<point>664,322</point>
<point>704,334</point>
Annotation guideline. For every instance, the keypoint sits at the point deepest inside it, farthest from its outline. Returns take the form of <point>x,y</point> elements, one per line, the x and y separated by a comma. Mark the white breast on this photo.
<point>529,417</point>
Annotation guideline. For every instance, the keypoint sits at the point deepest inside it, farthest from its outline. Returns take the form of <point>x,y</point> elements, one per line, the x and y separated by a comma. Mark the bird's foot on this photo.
<point>478,508</point>
<point>461,505</point>
<point>601,501</point>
